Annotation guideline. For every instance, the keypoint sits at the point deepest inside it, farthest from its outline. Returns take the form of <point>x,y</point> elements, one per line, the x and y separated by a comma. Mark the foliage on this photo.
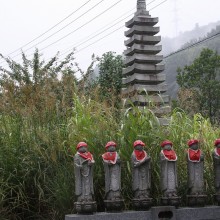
<point>110,77</point>
<point>187,101</point>
<point>36,100</point>
<point>34,71</point>
<point>201,77</point>
<point>34,86</point>
<point>187,56</point>
<point>37,179</point>
<point>39,132</point>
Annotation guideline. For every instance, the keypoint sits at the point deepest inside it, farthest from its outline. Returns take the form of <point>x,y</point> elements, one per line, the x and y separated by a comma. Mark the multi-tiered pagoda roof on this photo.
<point>143,78</point>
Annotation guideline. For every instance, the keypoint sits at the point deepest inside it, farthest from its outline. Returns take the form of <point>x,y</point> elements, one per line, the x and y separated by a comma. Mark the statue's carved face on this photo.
<point>111,149</point>
<point>167,147</point>
<point>218,145</point>
<point>194,146</point>
<point>139,147</point>
<point>82,149</point>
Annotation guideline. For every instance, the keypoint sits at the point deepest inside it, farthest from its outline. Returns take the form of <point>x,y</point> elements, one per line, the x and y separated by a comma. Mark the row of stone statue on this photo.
<point>141,176</point>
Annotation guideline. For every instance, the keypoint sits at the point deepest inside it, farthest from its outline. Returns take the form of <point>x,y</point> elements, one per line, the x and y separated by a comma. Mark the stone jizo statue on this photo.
<point>195,165</point>
<point>112,166</point>
<point>141,171</point>
<point>195,161</point>
<point>216,161</point>
<point>168,167</point>
<point>83,166</point>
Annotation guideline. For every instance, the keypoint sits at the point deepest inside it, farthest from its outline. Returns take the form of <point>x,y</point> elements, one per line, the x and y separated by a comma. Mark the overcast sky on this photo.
<point>22,21</point>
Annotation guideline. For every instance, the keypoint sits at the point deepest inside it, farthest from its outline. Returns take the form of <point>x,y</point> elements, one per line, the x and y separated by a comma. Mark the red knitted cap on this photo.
<point>217,141</point>
<point>138,142</point>
<point>110,143</point>
<point>81,144</point>
<point>166,142</point>
<point>193,141</point>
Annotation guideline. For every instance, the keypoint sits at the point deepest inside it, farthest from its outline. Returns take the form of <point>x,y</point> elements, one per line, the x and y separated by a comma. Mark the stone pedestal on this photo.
<point>156,213</point>
<point>142,204</point>
<point>217,198</point>
<point>114,206</point>
<point>85,207</point>
<point>171,201</point>
<point>196,200</point>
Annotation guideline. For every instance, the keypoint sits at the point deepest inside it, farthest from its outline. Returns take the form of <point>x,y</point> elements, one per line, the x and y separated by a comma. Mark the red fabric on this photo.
<point>217,141</point>
<point>86,155</point>
<point>193,141</point>
<point>81,144</point>
<point>138,142</point>
<point>170,154</point>
<point>194,155</point>
<point>166,143</point>
<point>218,151</point>
<point>140,155</point>
<point>110,156</point>
<point>110,143</point>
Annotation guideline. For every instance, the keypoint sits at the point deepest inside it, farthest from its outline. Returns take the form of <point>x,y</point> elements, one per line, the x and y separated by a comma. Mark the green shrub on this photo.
<point>36,165</point>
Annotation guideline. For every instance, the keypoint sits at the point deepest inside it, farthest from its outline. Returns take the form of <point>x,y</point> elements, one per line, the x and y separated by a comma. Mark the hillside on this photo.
<point>187,56</point>
<point>172,44</point>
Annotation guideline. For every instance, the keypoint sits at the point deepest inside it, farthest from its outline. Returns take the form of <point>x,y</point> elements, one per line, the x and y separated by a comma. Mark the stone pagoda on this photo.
<point>143,80</point>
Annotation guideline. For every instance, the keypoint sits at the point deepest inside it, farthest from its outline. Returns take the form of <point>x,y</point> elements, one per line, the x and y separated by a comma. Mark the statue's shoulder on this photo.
<point>76,156</point>
<point>133,155</point>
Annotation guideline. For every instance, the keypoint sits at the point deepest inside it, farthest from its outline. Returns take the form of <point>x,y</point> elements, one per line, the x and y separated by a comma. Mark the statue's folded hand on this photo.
<point>78,165</point>
<point>136,164</point>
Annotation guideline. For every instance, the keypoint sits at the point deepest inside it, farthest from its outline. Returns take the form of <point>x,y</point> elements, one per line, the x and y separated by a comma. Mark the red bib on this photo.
<point>140,155</point>
<point>86,155</point>
<point>169,154</point>
<point>194,155</point>
<point>217,151</point>
<point>110,156</point>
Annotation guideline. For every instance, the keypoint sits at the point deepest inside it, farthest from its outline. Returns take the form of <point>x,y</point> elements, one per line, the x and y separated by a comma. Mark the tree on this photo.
<point>202,79</point>
<point>37,85</point>
<point>110,77</point>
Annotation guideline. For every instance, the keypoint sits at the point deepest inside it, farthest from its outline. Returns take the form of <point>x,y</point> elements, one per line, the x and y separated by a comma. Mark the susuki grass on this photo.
<point>36,165</point>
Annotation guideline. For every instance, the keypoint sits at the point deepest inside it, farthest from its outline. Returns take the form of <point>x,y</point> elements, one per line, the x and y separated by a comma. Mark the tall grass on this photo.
<point>36,165</point>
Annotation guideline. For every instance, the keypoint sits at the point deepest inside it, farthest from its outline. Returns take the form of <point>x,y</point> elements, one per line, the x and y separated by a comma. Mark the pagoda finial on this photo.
<point>141,5</point>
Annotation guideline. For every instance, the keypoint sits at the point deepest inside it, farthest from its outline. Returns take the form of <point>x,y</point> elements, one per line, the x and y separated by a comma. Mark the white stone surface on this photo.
<point>141,39</point>
<point>143,68</point>
<point>143,49</point>
<point>145,30</point>
<point>144,78</point>
<point>145,88</point>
